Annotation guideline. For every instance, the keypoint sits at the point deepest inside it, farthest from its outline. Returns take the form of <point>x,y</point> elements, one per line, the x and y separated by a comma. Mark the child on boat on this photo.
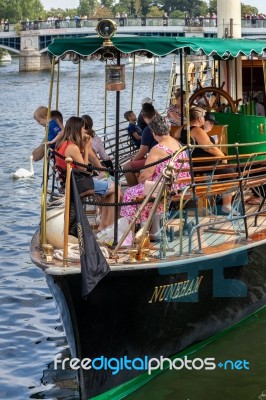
<point>55,131</point>
<point>134,130</point>
<point>56,128</point>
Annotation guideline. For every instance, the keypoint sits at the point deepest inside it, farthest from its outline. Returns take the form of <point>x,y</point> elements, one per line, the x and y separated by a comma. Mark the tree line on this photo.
<point>20,10</point>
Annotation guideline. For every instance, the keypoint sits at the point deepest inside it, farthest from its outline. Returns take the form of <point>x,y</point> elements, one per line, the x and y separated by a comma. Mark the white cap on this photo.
<point>147,100</point>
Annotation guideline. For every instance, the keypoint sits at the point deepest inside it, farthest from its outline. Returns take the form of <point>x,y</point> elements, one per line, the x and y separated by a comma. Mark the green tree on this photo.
<point>155,12</point>
<point>107,4</point>
<point>103,12</point>
<point>137,7</point>
<point>87,7</point>
<point>3,4</point>
<point>213,7</point>
<point>245,9</point>
<point>125,6</point>
<point>191,8</point>
<point>57,12</point>
<point>177,14</point>
<point>145,6</point>
<point>248,10</point>
<point>14,10</point>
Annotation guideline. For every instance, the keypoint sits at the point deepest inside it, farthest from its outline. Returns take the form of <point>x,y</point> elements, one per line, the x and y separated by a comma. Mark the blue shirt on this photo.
<point>134,128</point>
<point>53,131</point>
<point>147,138</point>
<point>141,123</point>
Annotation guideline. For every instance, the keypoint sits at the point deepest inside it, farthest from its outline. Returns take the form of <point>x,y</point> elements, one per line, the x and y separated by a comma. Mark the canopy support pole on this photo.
<point>57,85</point>
<point>133,81</point>
<point>117,115</point>
<point>105,109</point>
<point>182,85</point>
<point>45,160</point>
<point>154,74</point>
<point>78,105</point>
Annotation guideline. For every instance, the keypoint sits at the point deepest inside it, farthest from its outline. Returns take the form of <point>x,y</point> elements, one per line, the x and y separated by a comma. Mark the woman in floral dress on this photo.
<point>166,146</point>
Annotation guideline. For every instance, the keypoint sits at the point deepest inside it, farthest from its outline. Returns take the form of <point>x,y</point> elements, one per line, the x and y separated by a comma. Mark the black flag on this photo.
<point>93,264</point>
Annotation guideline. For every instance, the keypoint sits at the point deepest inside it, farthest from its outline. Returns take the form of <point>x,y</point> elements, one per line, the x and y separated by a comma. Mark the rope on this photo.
<point>119,170</point>
<point>74,253</point>
<point>91,202</point>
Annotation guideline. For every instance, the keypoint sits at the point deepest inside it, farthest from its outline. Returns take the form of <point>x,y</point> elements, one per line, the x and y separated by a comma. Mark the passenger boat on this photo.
<point>203,273</point>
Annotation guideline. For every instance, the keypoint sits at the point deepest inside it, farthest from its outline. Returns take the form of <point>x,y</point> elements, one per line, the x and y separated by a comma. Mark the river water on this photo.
<point>31,333</point>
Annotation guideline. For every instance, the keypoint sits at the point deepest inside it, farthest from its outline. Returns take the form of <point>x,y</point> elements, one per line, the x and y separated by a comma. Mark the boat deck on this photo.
<point>213,235</point>
<point>190,228</point>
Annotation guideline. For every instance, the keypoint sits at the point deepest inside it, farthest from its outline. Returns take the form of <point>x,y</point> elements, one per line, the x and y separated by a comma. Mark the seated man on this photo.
<point>147,142</point>
<point>140,122</point>
<point>134,130</point>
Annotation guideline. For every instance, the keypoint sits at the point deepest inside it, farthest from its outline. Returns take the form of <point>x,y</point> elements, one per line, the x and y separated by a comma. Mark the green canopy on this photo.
<point>159,46</point>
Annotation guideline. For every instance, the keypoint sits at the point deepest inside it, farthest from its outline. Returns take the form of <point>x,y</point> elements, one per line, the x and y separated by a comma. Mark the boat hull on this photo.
<point>156,311</point>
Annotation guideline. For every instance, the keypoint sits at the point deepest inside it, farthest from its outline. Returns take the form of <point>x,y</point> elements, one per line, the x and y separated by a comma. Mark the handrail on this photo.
<point>164,178</point>
<point>130,21</point>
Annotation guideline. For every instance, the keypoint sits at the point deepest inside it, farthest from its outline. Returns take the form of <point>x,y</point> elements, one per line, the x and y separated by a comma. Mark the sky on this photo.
<point>60,4</point>
<point>260,4</point>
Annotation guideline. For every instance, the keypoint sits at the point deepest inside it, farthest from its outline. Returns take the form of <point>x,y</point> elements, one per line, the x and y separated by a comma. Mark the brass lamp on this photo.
<point>114,74</point>
<point>106,29</point>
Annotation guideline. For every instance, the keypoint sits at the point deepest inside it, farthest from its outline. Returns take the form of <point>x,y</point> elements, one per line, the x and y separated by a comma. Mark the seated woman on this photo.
<point>199,136</point>
<point>97,144</point>
<point>76,144</point>
<point>166,146</point>
<point>174,112</point>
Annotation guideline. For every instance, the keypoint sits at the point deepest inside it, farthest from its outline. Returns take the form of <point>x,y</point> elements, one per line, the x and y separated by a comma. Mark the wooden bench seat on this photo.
<point>126,146</point>
<point>208,182</point>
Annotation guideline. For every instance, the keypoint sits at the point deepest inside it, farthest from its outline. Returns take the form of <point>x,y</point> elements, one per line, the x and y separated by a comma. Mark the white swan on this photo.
<point>24,173</point>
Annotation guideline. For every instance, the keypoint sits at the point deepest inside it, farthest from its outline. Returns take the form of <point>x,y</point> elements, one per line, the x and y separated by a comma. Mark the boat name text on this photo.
<point>175,290</point>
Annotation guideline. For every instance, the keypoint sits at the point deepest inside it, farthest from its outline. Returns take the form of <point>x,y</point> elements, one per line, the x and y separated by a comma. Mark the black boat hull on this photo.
<point>157,311</point>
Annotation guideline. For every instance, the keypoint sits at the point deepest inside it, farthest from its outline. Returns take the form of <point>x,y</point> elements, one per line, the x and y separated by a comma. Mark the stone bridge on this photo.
<point>30,40</point>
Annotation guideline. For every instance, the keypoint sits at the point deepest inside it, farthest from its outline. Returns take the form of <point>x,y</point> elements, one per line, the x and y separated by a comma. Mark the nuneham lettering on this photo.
<point>175,290</point>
